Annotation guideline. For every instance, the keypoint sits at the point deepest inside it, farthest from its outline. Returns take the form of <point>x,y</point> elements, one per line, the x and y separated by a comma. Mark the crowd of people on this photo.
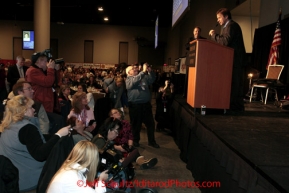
<point>45,103</point>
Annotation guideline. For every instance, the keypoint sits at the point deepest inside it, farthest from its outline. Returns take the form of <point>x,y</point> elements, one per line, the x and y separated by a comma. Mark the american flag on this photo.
<point>274,51</point>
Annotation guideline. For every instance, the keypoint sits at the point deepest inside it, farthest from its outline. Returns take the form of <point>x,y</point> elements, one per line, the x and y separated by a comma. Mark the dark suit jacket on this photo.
<point>232,37</point>
<point>191,39</point>
<point>54,161</point>
<point>13,74</point>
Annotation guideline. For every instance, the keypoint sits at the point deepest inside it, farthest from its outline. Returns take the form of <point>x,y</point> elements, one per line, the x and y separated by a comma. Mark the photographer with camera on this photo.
<point>110,158</point>
<point>164,100</point>
<point>124,141</point>
<point>41,75</point>
<point>139,101</point>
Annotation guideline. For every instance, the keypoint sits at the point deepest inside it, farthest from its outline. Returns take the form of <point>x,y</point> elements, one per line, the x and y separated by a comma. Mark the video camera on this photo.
<point>110,159</point>
<point>47,53</point>
<point>116,172</point>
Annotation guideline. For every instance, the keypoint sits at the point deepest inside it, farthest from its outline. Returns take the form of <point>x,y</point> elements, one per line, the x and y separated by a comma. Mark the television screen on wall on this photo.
<point>28,40</point>
<point>156,32</point>
<point>180,7</point>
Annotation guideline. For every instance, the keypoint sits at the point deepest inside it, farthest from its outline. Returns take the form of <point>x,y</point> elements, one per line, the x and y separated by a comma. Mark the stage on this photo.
<point>246,152</point>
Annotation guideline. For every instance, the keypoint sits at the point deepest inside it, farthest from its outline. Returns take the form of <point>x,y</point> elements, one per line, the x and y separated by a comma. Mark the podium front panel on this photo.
<point>209,81</point>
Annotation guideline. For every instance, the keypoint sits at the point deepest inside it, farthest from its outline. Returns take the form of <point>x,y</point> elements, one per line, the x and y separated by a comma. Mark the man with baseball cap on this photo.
<point>139,102</point>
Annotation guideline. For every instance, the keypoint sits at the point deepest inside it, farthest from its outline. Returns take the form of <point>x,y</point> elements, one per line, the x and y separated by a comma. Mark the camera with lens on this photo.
<point>110,161</point>
<point>47,53</point>
<point>110,158</point>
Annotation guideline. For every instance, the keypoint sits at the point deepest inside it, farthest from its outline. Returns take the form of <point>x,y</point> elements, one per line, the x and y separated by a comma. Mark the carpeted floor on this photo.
<point>170,168</point>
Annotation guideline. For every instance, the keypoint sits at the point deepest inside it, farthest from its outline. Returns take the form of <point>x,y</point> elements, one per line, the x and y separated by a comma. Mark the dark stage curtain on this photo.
<point>210,159</point>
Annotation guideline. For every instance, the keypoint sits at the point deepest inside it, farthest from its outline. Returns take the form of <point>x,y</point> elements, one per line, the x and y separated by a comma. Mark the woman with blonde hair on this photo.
<point>77,173</point>
<point>81,110</point>
<point>22,142</point>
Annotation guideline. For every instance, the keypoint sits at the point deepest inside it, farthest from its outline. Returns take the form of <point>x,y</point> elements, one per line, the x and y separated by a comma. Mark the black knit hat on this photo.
<point>36,55</point>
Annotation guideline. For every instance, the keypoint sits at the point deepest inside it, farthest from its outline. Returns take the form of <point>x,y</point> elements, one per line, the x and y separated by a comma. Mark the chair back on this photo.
<point>274,71</point>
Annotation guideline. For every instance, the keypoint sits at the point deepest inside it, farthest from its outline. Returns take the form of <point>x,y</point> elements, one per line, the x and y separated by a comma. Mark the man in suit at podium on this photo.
<point>232,37</point>
<point>16,71</point>
<point>197,35</point>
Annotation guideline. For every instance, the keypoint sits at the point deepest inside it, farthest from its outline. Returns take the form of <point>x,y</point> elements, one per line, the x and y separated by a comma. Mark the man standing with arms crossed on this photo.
<point>139,101</point>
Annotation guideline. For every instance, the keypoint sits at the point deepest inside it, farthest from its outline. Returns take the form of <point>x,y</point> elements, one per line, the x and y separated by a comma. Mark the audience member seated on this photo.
<point>24,88</point>
<point>90,99</point>
<point>66,81</point>
<point>81,110</point>
<point>54,122</point>
<point>64,101</point>
<point>80,166</point>
<point>93,83</point>
<point>124,141</point>
<point>22,142</point>
<point>77,80</point>
<point>164,101</point>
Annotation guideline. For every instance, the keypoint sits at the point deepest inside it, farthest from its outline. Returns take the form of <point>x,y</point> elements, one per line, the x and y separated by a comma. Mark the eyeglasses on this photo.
<point>29,88</point>
<point>116,112</point>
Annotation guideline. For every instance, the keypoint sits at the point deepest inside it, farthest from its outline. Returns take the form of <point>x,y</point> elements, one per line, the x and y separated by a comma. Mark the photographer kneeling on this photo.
<point>124,141</point>
<point>111,159</point>
<point>104,141</point>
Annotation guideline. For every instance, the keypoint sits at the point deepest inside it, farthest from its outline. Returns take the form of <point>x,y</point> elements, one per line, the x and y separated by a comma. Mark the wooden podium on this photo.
<point>210,75</point>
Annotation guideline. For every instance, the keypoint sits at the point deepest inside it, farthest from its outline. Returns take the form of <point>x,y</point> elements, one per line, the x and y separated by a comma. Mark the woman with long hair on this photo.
<point>90,98</point>
<point>23,143</point>
<point>81,110</point>
<point>78,172</point>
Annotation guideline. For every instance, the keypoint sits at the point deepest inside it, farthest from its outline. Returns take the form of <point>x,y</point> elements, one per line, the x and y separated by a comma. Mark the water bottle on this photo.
<point>203,110</point>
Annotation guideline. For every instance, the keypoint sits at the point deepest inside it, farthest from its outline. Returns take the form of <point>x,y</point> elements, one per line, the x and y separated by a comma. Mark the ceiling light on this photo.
<point>60,23</point>
<point>100,9</point>
<point>105,18</point>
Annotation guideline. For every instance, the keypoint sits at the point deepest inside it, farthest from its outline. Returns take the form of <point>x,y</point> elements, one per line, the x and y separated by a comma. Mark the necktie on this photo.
<point>21,72</point>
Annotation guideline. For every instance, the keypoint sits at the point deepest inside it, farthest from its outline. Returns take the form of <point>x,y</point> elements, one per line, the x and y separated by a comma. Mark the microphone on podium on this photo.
<point>217,24</point>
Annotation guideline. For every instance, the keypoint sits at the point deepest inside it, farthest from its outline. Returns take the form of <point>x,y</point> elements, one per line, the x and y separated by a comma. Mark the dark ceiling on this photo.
<point>119,12</point>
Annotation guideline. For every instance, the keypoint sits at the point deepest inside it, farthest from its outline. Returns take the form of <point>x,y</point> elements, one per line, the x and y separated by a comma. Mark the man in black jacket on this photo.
<point>16,71</point>
<point>197,35</point>
<point>232,37</point>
